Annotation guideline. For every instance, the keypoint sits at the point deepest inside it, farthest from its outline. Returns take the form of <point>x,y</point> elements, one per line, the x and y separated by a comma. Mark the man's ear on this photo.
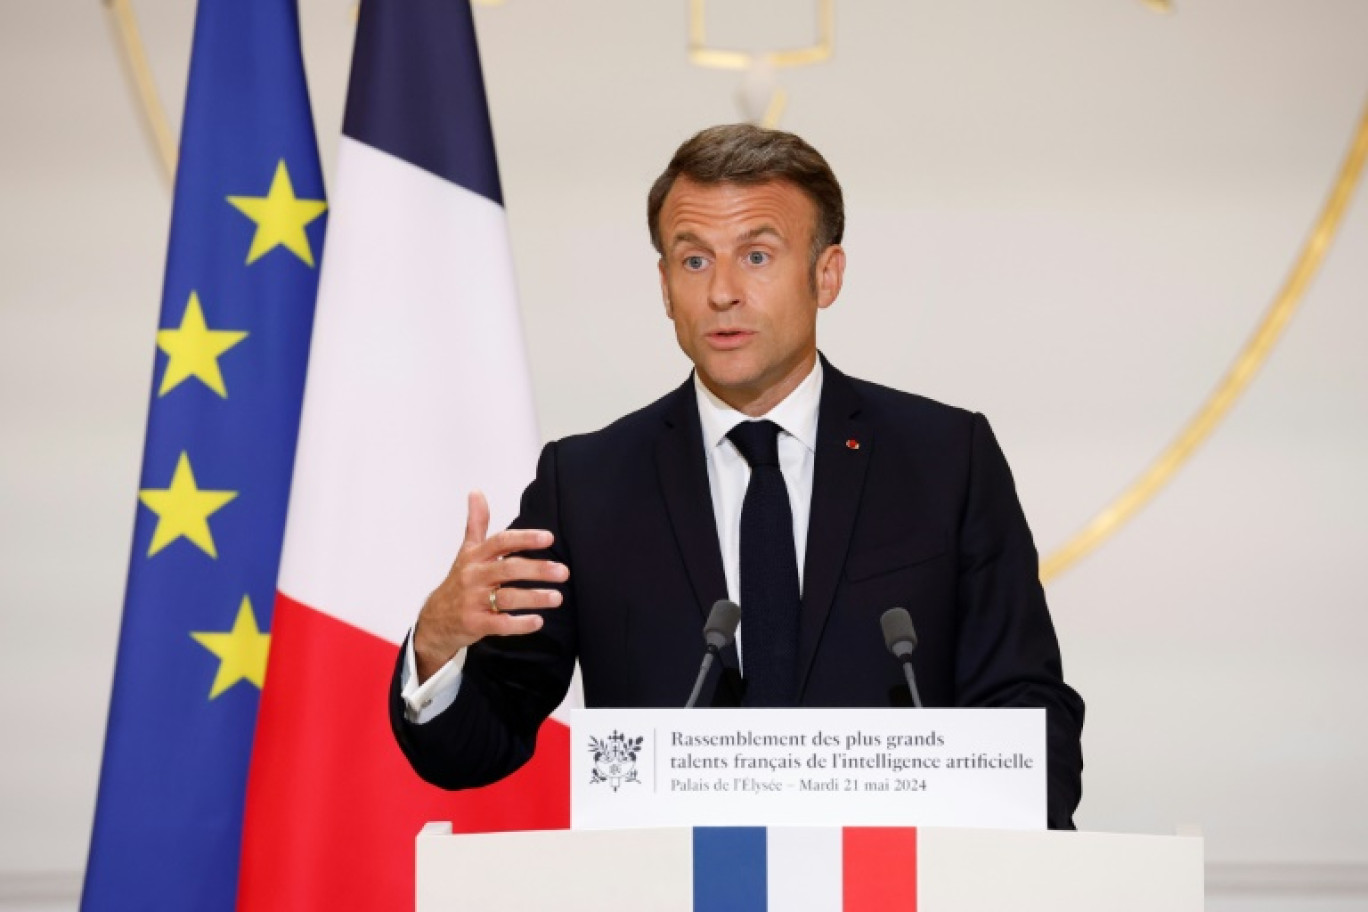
<point>830,273</point>
<point>665,289</point>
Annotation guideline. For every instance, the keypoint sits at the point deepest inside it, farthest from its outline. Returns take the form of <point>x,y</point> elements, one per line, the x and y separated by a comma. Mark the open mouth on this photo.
<point>729,338</point>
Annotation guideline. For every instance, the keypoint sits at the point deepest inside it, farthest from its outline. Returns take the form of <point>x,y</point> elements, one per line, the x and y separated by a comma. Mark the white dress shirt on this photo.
<point>728,476</point>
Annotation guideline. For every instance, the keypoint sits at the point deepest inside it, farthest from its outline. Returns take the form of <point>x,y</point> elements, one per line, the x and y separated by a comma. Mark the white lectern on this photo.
<point>818,868</point>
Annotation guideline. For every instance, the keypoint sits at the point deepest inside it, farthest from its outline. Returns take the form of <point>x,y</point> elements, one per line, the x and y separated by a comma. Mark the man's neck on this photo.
<point>755,404</point>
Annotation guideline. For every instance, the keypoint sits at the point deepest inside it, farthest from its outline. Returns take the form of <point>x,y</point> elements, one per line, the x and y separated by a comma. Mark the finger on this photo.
<point>510,541</point>
<point>527,599</point>
<point>524,569</point>
<point>513,625</point>
<point>477,518</point>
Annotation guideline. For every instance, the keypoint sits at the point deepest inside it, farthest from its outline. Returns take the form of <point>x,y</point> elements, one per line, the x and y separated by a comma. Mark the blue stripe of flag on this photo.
<point>413,58</point>
<point>729,871</point>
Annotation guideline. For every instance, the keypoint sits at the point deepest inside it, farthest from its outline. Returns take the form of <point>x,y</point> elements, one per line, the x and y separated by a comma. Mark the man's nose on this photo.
<point>725,288</point>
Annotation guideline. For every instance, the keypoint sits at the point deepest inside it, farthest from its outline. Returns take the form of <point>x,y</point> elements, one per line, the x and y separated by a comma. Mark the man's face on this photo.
<point>740,286</point>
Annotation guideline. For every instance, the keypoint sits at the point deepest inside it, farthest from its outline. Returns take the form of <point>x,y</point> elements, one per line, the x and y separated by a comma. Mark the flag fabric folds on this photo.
<point>418,392</point>
<point>232,348</point>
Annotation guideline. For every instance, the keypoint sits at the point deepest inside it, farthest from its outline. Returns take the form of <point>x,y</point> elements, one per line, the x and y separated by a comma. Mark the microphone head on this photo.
<point>720,629</point>
<point>899,635</point>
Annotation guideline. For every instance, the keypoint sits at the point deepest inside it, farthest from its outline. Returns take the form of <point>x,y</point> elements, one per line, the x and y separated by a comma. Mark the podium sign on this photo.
<point>807,767</point>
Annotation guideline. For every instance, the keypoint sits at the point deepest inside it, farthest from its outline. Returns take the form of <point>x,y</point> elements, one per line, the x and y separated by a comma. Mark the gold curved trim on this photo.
<point>1236,379</point>
<point>717,58</point>
<point>135,56</point>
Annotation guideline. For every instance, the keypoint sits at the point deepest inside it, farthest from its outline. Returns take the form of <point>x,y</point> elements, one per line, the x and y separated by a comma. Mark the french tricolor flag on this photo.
<point>417,392</point>
<point>754,869</point>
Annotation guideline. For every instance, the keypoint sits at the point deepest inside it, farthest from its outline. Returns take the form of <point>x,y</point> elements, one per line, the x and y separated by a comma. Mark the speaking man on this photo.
<point>814,500</point>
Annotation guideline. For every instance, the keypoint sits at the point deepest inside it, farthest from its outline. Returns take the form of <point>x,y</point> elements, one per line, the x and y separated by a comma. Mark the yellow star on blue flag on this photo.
<point>183,510</point>
<point>193,350</point>
<point>280,218</point>
<point>241,651</point>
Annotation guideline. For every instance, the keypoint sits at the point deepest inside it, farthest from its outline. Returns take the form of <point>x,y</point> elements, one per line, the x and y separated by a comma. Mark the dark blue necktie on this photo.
<point>769,572</point>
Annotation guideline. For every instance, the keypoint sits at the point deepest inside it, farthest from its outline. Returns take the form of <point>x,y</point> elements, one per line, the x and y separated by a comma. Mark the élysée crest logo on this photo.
<point>615,759</point>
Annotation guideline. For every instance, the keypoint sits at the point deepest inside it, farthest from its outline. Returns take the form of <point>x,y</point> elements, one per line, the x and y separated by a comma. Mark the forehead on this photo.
<point>729,208</point>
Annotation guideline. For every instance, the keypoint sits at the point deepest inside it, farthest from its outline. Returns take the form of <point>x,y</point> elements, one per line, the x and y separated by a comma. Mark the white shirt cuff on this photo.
<point>424,702</point>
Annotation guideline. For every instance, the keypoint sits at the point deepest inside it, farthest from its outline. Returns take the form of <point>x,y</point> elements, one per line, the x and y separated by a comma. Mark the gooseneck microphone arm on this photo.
<point>901,639</point>
<point>718,633</point>
<point>911,682</point>
<point>702,676</point>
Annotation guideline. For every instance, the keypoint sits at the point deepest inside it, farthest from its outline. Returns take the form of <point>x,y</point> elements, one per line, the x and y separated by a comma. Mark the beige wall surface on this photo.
<point>1067,214</point>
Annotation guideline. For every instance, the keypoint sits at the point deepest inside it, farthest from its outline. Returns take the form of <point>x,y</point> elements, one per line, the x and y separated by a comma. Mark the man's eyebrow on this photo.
<point>686,237</point>
<point>760,230</point>
<point>689,237</point>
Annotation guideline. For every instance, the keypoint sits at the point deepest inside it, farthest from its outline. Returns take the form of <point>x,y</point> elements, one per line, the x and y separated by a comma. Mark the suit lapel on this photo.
<point>683,471</point>
<point>837,482</point>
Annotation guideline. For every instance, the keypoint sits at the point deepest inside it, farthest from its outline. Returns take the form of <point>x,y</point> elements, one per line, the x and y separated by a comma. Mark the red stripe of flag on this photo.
<point>879,869</point>
<point>332,803</point>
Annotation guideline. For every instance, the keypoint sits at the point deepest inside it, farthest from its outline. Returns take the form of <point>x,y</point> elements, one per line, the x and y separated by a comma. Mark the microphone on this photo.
<point>900,638</point>
<point>718,633</point>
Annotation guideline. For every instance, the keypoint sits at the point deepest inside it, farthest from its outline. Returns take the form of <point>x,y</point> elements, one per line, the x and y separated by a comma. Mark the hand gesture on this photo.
<point>470,604</point>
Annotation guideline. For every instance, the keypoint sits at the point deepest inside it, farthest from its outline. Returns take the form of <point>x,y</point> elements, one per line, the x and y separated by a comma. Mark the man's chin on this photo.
<point>728,372</point>
<point>727,380</point>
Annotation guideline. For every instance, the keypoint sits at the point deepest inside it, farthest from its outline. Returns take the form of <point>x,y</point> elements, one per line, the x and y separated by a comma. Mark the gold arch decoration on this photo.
<point>1237,378</point>
<point>701,54</point>
<point>1139,493</point>
<point>135,58</point>
<point>762,99</point>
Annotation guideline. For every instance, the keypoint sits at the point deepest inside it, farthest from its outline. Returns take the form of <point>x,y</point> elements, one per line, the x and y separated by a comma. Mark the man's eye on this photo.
<point>757,258</point>
<point>693,262</point>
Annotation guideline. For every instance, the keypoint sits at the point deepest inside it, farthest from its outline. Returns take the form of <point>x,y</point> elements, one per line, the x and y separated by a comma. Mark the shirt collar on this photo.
<point>796,414</point>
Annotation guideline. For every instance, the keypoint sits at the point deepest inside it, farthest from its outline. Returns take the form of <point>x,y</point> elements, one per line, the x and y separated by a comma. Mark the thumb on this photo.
<point>477,518</point>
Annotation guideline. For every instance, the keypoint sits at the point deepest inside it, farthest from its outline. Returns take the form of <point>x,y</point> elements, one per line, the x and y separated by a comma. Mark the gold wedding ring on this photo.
<point>494,601</point>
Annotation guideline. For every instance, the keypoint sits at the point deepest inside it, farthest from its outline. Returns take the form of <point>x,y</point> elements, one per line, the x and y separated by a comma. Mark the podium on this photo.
<point>643,779</point>
<point>921,869</point>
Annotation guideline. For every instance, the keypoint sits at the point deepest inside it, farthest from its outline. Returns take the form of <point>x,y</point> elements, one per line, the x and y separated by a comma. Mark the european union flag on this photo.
<point>237,308</point>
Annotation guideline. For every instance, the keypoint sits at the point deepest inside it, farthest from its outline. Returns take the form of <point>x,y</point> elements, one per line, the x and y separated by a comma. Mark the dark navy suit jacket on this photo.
<point>913,505</point>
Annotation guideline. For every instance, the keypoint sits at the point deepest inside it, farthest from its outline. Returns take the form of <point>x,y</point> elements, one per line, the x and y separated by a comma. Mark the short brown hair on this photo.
<point>746,154</point>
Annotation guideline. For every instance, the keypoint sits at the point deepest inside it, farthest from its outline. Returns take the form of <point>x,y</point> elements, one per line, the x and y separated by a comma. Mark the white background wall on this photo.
<point>1067,214</point>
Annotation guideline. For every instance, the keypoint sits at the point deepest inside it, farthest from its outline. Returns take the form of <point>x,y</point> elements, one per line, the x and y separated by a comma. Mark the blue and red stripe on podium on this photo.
<point>739,869</point>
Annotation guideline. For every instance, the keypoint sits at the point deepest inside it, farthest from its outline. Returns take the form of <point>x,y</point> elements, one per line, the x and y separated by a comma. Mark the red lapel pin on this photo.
<point>852,444</point>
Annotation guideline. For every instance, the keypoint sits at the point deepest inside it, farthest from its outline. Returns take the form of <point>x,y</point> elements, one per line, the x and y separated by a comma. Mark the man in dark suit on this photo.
<point>815,500</point>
